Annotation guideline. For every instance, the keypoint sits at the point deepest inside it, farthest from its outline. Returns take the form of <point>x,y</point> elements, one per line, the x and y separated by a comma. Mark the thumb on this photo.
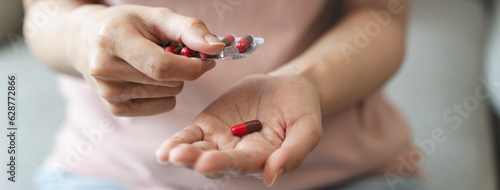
<point>297,145</point>
<point>189,30</point>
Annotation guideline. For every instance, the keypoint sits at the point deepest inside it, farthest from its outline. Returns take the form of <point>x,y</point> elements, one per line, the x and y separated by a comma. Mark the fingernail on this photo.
<point>179,164</point>
<point>198,172</point>
<point>161,162</point>
<point>176,163</point>
<point>158,153</point>
<point>213,41</point>
<point>276,176</point>
<point>215,175</point>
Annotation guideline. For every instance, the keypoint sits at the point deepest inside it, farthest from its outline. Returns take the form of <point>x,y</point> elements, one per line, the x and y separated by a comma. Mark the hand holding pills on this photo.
<point>264,126</point>
<point>117,54</point>
<point>234,48</point>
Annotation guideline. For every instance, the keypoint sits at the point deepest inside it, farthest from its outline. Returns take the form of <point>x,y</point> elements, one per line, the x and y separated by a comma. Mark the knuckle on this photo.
<point>119,109</point>
<point>163,11</point>
<point>109,92</point>
<point>195,75</point>
<point>103,40</point>
<point>192,22</point>
<point>97,67</point>
<point>177,90</point>
<point>138,91</point>
<point>318,132</point>
<point>171,91</point>
<point>170,105</point>
<point>159,69</point>
<point>108,31</point>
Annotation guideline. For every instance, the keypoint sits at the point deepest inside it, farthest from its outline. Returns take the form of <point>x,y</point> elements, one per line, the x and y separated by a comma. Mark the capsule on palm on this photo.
<point>247,127</point>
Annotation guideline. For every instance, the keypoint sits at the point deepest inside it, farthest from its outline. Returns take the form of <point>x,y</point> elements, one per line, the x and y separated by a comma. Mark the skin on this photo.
<point>115,49</point>
<point>289,101</point>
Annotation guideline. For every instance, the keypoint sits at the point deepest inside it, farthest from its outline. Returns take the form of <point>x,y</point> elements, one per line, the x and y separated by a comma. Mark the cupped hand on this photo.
<point>289,110</point>
<point>117,51</point>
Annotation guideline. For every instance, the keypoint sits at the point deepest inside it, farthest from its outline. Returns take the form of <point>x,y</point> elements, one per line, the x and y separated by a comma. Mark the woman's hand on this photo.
<point>116,51</point>
<point>289,110</point>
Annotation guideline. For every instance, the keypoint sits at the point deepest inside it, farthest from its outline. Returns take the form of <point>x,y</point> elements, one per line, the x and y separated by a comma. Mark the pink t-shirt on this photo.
<point>366,137</point>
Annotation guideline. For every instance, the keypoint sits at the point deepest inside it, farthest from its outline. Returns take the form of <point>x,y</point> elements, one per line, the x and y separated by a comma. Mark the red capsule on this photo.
<point>247,127</point>
<point>187,52</point>
<point>173,49</point>
<point>204,55</point>
<point>228,40</point>
<point>243,44</point>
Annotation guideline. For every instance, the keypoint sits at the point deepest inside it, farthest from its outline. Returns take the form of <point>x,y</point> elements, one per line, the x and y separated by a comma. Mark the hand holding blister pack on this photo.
<point>235,48</point>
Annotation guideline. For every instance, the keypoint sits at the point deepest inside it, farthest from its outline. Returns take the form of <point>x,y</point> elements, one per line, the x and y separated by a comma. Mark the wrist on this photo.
<point>318,72</point>
<point>305,68</point>
<point>293,69</point>
<point>79,24</point>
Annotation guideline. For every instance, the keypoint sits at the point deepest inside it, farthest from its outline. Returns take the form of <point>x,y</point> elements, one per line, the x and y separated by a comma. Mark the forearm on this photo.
<point>48,39</point>
<point>343,72</point>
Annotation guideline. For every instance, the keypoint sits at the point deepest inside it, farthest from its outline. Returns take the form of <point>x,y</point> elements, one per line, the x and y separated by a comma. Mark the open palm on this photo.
<point>289,110</point>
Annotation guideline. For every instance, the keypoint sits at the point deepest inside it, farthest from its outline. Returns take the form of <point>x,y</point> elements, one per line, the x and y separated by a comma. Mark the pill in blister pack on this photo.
<point>235,48</point>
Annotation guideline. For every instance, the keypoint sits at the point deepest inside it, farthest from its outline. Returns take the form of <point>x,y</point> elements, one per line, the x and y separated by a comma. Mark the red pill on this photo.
<point>243,44</point>
<point>204,55</point>
<point>247,127</point>
<point>228,40</point>
<point>173,49</point>
<point>187,52</point>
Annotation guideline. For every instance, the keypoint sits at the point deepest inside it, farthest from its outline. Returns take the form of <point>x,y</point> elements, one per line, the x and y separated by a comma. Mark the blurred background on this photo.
<point>449,83</point>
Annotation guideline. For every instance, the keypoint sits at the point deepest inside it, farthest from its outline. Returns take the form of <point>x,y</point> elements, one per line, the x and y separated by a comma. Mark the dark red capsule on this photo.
<point>228,40</point>
<point>243,44</point>
<point>187,52</point>
<point>173,49</point>
<point>247,127</point>
<point>204,55</point>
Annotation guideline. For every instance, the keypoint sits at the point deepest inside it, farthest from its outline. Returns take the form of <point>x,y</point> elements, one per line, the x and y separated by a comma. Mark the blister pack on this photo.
<point>235,48</point>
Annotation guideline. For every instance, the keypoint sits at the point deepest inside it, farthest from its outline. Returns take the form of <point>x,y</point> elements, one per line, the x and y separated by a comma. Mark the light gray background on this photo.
<point>444,60</point>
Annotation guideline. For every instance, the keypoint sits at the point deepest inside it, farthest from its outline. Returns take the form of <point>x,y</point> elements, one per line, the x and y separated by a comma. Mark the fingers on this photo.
<point>205,145</point>
<point>115,92</point>
<point>119,70</point>
<point>124,39</point>
<point>153,61</point>
<point>184,154</point>
<point>205,159</point>
<point>187,154</point>
<point>188,135</point>
<point>188,30</point>
<point>123,48</point>
<point>143,79</point>
<point>231,162</point>
<point>125,98</point>
<point>141,107</point>
<point>299,141</point>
